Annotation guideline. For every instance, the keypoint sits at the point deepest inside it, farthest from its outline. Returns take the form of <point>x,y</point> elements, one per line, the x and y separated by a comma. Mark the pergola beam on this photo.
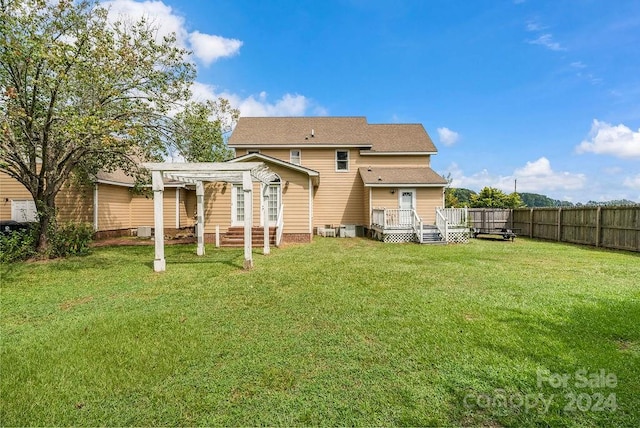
<point>198,173</point>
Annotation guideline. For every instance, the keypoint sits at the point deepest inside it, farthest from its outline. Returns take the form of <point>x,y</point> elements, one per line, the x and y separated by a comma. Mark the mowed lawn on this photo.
<point>338,332</point>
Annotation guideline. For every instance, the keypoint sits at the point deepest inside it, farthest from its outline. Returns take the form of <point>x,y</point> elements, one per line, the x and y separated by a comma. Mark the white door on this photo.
<point>406,203</point>
<point>237,205</point>
<point>274,204</point>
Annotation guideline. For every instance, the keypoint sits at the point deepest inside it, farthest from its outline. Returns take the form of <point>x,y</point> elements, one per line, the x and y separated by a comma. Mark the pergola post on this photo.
<point>247,189</point>
<point>200,217</point>
<point>265,208</point>
<point>159,263</point>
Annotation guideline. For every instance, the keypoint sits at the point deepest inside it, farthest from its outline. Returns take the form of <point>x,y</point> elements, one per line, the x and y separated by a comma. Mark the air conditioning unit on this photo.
<point>144,232</point>
<point>347,230</point>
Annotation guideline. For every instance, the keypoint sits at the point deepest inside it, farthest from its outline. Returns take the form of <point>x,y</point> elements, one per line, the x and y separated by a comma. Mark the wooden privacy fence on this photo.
<point>608,227</point>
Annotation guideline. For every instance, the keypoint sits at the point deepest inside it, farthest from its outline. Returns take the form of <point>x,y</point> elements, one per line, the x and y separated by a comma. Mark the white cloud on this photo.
<point>578,64</point>
<point>607,139</point>
<point>206,47</point>
<point>260,105</point>
<point>447,136</point>
<point>632,182</point>
<point>209,47</point>
<point>535,177</point>
<point>547,41</point>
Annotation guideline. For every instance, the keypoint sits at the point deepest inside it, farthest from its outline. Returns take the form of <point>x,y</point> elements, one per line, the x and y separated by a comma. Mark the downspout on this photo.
<point>95,207</point>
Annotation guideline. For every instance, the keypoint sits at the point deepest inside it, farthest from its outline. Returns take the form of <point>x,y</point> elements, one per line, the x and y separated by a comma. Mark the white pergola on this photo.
<point>197,173</point>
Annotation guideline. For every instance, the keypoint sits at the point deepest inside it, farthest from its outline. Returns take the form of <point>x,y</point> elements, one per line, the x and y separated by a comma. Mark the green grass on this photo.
<point>339,332</point>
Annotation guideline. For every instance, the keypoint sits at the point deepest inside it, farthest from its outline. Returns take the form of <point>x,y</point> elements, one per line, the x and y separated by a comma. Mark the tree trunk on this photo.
<point>47,220</point>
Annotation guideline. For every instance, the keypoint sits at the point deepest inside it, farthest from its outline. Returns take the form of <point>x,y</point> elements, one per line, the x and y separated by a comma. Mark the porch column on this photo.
<point>159,263</point>
<point>265,207</point>
<point>247,189</point>
<point>200,217</point>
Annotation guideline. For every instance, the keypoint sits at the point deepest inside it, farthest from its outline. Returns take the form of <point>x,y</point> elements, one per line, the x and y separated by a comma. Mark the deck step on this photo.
<point>431,235</point>
<point>235,237</point>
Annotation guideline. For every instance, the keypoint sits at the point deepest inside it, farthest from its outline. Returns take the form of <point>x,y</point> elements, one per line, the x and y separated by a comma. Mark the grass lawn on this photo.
<point>338,332</point>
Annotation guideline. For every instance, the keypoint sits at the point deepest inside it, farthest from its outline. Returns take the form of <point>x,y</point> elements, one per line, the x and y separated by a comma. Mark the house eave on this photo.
<point>365,153</point>
<point>405,185</point>
<point>298,146</point>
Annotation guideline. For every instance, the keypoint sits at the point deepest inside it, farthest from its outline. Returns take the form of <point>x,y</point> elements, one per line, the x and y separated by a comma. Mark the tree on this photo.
<point>198,138</point>
<point>490,197</point>
<point>83,94</point>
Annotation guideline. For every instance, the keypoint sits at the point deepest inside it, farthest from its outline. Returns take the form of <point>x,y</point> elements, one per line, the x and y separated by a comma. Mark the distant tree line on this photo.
<point>490,197</point>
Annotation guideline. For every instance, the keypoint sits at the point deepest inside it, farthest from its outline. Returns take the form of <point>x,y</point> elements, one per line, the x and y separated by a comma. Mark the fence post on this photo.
<point>598,225</point>
<point>531,223</point>
<point>559,224</point>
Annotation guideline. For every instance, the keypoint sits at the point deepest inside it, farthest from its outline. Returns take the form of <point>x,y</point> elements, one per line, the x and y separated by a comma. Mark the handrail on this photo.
<point>280,225</point>
<point>443,225</point>
<point>417,226</point>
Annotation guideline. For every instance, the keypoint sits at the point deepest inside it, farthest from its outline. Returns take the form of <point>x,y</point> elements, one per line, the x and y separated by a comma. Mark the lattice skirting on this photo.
<point>459,237</point>
<point>399,237</point>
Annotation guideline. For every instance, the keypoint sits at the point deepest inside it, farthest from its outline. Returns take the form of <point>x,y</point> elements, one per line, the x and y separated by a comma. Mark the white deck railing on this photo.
<point>455,216</point>
<point>280,225</point>
<point>452,223</point>
<point>394,218</point>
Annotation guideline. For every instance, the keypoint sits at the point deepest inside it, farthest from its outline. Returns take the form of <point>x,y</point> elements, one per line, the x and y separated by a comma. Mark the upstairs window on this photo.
<point>342,160</point>
<point>294,156</point>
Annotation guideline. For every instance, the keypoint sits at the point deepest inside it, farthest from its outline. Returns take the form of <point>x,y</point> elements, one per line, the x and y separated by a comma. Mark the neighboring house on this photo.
<point>334,172</point>
<point>109,204</point>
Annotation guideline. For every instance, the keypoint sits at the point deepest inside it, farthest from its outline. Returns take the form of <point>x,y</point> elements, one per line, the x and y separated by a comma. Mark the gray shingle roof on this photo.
<point>421,175</point>
<point>338,131</point>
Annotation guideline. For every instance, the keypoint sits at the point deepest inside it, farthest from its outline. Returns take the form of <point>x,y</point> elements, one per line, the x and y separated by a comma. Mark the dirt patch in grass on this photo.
<point>65,306</point>
<point>130,240</point>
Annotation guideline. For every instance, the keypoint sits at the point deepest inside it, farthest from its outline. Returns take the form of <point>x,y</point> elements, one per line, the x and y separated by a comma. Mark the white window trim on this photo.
<point>348,161</point>
<point>299,156</point>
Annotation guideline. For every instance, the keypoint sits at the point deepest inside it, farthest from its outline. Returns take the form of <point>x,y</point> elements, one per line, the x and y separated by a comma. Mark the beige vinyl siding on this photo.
<point>381,197</point>
<point>392,160</point>
<point>75,204</point>
<point>367,206</point>
<point>295,198</point>
<point>427,200</point>
<point>217,206</point>
<point>141,210</point>
<point>187,207</point>
<point>113,207</point>
<point>10,189</point>
<point>341,196</point>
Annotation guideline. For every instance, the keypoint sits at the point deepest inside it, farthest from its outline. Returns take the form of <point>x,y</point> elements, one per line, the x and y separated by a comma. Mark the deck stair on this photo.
<point>431,235</point>
<point>235,237</point>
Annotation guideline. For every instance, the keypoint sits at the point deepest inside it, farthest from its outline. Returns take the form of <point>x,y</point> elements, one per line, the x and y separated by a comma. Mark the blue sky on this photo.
<point>545,92</point>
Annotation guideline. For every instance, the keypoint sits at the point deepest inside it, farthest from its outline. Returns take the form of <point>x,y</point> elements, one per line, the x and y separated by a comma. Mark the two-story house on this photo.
<point>333,171</point>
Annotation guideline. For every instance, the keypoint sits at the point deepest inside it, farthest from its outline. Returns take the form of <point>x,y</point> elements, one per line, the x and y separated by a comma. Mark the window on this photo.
<point>237,207</point>
<point>274,202</point>
<point>342,160</point>
<point>294,156</point>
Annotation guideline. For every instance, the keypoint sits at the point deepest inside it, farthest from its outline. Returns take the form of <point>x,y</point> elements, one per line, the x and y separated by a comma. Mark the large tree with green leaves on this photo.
<point>81,94</point>
<point>490,197</point>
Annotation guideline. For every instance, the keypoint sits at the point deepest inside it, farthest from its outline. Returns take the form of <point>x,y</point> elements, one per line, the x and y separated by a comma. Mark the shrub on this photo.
<point>18,245</point>
<point>71,239</point>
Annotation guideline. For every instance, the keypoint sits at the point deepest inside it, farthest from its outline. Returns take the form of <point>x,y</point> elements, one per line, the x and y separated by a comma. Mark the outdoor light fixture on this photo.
<point>393,191</point>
